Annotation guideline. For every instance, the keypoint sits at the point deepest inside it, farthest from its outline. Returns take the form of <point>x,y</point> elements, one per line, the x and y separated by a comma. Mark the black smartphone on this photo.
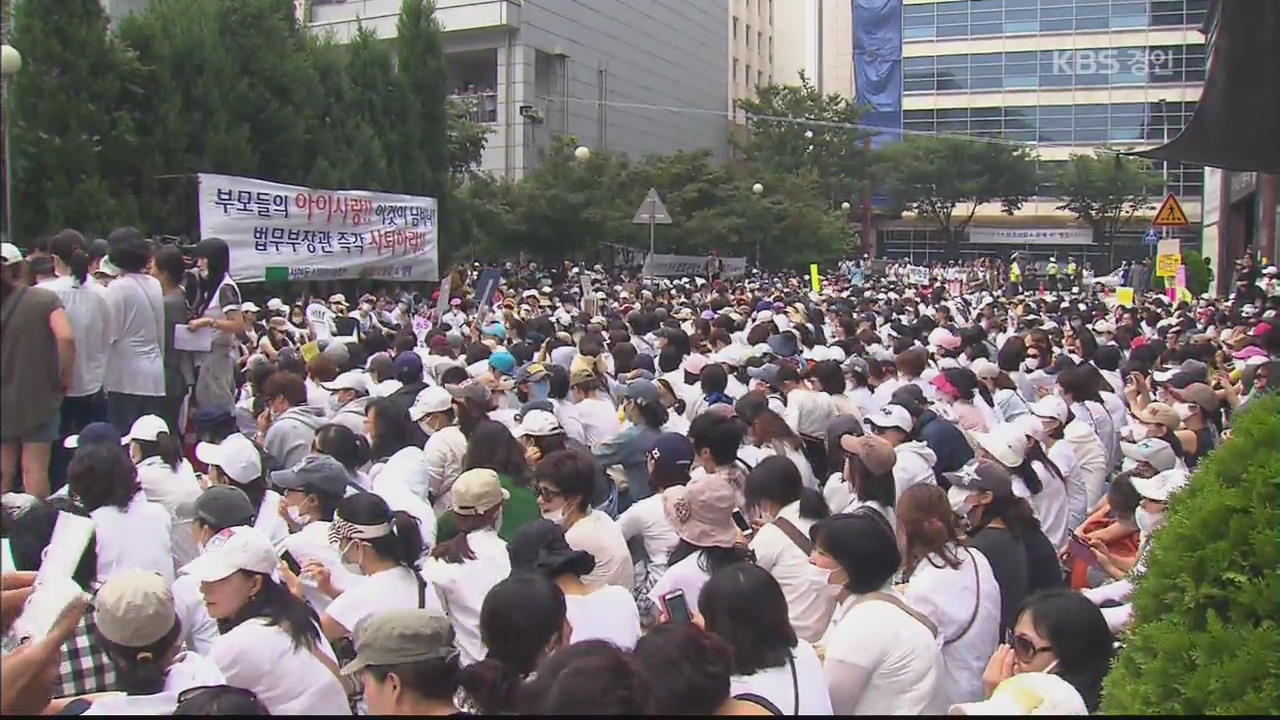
<point>741,521</point>
<point>677,607</point>
<point>291,562</point>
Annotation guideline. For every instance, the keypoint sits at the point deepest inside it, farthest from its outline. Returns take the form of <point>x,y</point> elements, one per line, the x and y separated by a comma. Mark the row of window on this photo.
<point>970,18</point>
<point>1090,124</point>
<point>1084,67</point>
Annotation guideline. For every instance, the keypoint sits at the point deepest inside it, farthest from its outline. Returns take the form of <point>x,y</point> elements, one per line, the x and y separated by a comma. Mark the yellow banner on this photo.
<point>813,277</point>
<point>1124,296</point>
<point>310,350</point>
<point>1167,265</point>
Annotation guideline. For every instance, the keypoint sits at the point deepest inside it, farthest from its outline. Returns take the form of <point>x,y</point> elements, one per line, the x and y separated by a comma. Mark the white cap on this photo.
<point>235,456</point>
<point>892,416</point>
<point>1104,326</point>
<point>538,423</point>
<point>817,353</point>
<point>276,305</point>
<point>10,253</point>
<point>1031,693</point>
<point>349,380</point>
<point>338,298</point>
<point>249,307</point>
<point>146,428</point>
<point>431,400</point>
<point>984,368</point>
<point>1163,485</point>
<point>233,549</point>
<point>764,316</point>
<point>1006,442</point>
<point>1031,427</point>
<point>1153,451</point>
<point>1052,407</point>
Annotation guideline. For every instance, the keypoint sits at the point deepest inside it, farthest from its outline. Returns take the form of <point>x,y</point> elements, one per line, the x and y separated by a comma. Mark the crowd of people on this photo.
<point>591,492</point>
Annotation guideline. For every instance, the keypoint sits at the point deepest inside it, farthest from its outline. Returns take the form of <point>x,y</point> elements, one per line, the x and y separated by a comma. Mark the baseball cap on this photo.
<point>983,475</point>
<point>395,637</point>
<point>783,344</point>
<point>276,305</point>
<point>1030,693</point>
<point>477,491</point>
<point>874,451</point>
<point>98,433</point>
<point>1198,393</point>
<point>134,608</point>
<point>1158,413</point>
<point>644,392</point>
<point>471,390</point>
<point>531,372</point>
<point>431,400</point>
<point>503,362</point>
<point>582,376</point>
<point>408,363</point>
<point>249,307</point>
<point>1161,486</point>
<point>943,338</point>
<point>538,423</point>
<point>232,549</point>
<point>1051,407</point>
<point>540,547</point>
<point>892,416</point>
<point>855,364</point>
<point>10,253</point>
<point>350,380</point>
<point>1153,451</point>
<point>321,472</point>
<point>224,506</point>
<point>767,374</point>
<point>495,329</point>
<point>672,452</point>
<point>694,363</point>
<point>1006,442</point>
<point>700,511</point>
<point>236,456</point>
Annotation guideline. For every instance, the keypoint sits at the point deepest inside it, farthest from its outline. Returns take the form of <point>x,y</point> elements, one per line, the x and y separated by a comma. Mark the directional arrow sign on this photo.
<point>652,210</point>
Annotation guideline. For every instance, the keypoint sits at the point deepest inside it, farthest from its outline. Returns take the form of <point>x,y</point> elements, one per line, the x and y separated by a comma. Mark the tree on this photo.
<point>794,129</point>
<point>1205,639</point>
<point>946,179</point>
<point>71,136</point>
<point>424,130</point>
<point>1105,192</point>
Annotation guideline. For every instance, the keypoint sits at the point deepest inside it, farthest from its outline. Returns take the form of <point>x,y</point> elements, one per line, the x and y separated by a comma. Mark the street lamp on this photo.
<point>845,206</point>
<point>758,189</point>
<point>10,63</point>
<point>582,153</point>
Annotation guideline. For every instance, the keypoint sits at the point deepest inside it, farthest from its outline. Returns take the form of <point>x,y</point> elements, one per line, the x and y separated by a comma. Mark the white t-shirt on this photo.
<point>647,519</point>
<point>882,661</point>
<point>947,596</point>
<point>288,680</point>
<point>269,521</point>
<point>135,365</point>
<point>407,465</point>
<point>598,534</point>
<point>463,587</point>
<point>599,420</point>
<point>609,613</point>
<point>776,684</point>
<point>198,629</point>
<point>1050,504</point>
<point>400,498</point>
<point>1063,454</point>
<point>188,670</point>
<point>391,589</point>
<point>320,320</point>
<point>136,538</point>
<point>801,582</point>
<point>685,575</point>
<point>166,486</point>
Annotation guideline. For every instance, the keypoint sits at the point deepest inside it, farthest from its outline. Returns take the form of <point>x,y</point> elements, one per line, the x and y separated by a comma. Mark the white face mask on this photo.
<point>556,516</point>
<point>1147,521</point>
<point>1031,364</point>
<point>351,567</point>
<point>297,516</point>
<point>959,499</point>
<point>1184,410</point>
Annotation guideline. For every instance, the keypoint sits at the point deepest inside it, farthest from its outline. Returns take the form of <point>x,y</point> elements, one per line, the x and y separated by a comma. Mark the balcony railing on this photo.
<point>481,107</point>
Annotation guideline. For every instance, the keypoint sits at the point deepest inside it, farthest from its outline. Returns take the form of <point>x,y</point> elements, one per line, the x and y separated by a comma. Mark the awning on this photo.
<point>1236,125</point>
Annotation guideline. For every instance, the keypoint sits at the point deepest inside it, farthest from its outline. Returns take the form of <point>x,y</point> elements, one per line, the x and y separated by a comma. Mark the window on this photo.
<point>735,29</point>
<point>748,36</point>
<point>760,41</point>
<point>759,78</point>
<point>735,71</point>
<point>978,18</point>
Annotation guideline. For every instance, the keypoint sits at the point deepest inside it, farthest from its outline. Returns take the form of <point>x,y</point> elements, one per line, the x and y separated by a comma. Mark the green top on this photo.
<point>520,510</point>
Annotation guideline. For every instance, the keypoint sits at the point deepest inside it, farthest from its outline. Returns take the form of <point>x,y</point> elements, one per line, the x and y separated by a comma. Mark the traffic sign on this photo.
<point>652,210</point>
<point>1151,238</point>
<point>1170,213</point>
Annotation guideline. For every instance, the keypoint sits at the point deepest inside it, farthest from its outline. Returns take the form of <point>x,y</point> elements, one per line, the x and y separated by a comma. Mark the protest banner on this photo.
<point>287,232</point>
<point>1124,296</point>
<point>814,280</point>
<point>668,265</point>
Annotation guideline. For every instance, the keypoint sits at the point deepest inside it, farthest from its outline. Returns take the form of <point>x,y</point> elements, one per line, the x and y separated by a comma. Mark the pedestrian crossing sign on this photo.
<point>1170,213</point>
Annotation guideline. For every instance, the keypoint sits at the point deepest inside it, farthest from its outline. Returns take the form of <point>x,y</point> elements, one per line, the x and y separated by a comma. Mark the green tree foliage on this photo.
<point>795,129</point>
<point>1206,639</point>
<point>946,179</point>
<point>1106,192</point>
<point>1197,272</point>
<point>424,126</point>
<point>70,135</point>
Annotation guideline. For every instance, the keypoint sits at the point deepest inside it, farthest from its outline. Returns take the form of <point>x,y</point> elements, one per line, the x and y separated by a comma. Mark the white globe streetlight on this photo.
<point>845,206</point>
<point>757,188</point>
<point>808,134</point>
<point>10,60</point>
<point>582,153</point>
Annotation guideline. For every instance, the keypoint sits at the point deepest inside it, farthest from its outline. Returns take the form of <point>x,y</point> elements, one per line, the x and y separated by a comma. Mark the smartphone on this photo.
<point>291,562</point>
<point>677,607</point>
<point>1077,546</point>
<point>741,521</point>
<point>71,535</point>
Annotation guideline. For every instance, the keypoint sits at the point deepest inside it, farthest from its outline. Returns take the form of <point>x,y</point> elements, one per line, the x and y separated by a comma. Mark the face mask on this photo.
<point>334,403</point>
<point>1147,521</point>
<point>351,567</point>
<point>555,516</point>
<point>1031,364</point>
<point>959,497</point>
<point>1184,410</point>
<point>297,516</point>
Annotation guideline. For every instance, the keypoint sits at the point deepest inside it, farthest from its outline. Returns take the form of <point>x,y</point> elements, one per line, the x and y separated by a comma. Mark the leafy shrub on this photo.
<point>1206,638</point>
<point>1197,273</point>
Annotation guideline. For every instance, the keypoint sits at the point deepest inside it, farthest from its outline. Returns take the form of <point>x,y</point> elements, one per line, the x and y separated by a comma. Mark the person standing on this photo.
<point>179,368</point>
<point>217,307</point>
<point>37,365</point>
<point>135,365</point>
<point>714,266</point>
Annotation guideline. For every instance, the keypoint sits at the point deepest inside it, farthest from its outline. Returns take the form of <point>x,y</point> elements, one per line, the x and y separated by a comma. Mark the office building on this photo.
<point>598,70</point>
<point>1065,75</point>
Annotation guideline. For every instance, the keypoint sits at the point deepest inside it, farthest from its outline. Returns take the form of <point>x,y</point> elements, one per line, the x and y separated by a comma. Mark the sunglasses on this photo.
<point>1025,649</point>
<point>547,493</point>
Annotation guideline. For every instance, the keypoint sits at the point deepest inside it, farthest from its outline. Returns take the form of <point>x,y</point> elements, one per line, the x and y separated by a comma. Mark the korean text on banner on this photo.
<point>1167,265</point>
<point>287,232</point>
<point>665,265</point>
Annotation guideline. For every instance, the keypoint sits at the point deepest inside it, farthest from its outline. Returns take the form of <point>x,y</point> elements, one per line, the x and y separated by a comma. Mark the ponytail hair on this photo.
<point>457,549</point>
<point>403,545</point>
<point>142,670</point>
<point>521,617</point>
<point>679,406</point>
<point>165,446</point>
<point>653,414</point>
<point>70,247</point>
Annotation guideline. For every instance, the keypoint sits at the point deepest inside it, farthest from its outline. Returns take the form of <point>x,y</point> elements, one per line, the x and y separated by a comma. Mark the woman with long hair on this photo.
<point>767,430</point>
<point>491,446</point>
<point>953,585</point>
<point>218,307</point>
<point>1017,447</point>
<point>167,479</point>
<point>387,426</point>
<point>269,641</point>
<point>131,532</point>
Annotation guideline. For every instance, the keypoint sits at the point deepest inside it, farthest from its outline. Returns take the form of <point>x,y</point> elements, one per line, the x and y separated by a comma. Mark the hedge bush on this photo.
<point>1206,636</point>
<point>1197,273</point>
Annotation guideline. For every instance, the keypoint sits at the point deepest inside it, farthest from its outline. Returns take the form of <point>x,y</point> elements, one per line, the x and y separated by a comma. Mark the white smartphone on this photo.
<point>71,535</point>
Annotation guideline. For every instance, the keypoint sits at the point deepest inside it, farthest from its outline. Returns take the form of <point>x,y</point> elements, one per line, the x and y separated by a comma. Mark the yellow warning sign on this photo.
<point>1170,213</point>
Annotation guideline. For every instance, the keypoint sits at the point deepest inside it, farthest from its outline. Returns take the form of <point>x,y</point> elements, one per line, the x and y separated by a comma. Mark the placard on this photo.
<point>668,265</point>
<point>1124,296</point>
<point>287,232</point>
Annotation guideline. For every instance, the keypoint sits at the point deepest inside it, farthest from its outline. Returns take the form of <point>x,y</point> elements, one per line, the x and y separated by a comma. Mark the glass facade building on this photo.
<point>979,18</point>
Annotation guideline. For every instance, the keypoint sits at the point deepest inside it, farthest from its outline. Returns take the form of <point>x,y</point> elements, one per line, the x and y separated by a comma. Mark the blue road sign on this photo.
<point>1151,238</point>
